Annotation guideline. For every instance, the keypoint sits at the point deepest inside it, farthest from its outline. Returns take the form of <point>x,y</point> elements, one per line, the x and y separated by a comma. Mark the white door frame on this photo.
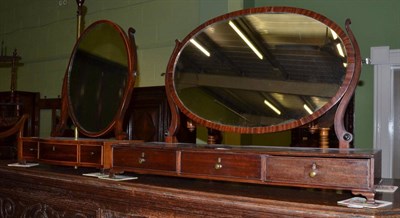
<point>384,60</point>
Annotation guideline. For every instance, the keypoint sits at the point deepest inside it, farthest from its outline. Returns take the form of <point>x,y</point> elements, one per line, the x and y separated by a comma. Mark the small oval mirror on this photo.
<point>99,77</point>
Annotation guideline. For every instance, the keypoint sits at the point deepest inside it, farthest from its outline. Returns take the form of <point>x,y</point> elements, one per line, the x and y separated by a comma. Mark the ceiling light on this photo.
<point>246,40</point>
<point>307,109</point>
<point>272,107</point>
<point>339,49</point>
<point>334,35</point>
<point>201,48</point>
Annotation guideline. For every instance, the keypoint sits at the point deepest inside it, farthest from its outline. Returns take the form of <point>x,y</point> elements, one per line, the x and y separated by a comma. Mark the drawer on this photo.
<point>58,152</point>
<point>221,164</point>
<point>335,172</point>
<point>143,158</point>
<point>29,150</point>
<point>91,154</point>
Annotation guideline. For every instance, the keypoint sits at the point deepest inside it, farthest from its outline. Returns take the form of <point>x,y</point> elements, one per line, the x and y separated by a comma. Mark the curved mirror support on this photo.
<point>261,70</point>
<point>100,79</point>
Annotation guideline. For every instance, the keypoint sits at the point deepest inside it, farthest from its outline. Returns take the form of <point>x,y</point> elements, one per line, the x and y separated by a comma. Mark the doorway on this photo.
<point>396,123</point>
<point>386,63</point>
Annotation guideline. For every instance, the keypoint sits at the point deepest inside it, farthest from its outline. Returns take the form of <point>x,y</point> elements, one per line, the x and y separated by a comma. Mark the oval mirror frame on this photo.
<point>126,67</point>
<point>347,86</point>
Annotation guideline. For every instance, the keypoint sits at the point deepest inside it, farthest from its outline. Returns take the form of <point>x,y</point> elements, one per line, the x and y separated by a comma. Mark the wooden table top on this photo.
<point>228,194</point>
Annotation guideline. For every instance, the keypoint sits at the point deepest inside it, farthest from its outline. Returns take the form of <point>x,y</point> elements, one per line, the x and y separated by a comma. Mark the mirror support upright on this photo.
<point>343,135</point>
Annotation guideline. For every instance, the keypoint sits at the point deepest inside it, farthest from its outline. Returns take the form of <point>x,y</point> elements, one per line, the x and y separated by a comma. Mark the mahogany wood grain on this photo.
<point>54,152</point>
<point>333,168</point>
<point>28,149</point>
<point>352,173</point>
<point>347,85</point>
<point>19,103</point>
<point>64,192</point>
<point>344,136</point>
<point>115,125</point>
<point>91,154</point>
<point>221,165</point>
<point>16,130</point>
<point>152,159</point>
<point>69,151</point>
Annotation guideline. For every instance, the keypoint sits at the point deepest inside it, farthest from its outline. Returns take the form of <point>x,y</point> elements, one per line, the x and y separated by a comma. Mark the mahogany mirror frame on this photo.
<point>341,98</point>
<point>117,123</point>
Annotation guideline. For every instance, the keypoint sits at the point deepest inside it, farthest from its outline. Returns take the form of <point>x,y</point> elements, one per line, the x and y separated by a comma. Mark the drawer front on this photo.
<point>29,150</point>
<point>91,154</point>
<point>58,152</point>
<point>336,172</point>
<point>221,164</point>
<point>143,158</point>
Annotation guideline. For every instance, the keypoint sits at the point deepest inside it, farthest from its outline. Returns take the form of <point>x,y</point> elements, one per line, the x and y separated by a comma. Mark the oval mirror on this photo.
<point>260,70</point>
<point>99,78</point>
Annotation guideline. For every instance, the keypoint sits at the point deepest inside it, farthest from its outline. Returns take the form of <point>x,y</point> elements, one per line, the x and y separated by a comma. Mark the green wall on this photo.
<point>44,32</point>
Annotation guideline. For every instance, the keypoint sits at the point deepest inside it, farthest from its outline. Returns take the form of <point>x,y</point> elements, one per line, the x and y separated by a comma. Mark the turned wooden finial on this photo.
<point>324,137</point>
<point>190,125</point>
<point>214,136</point>
<point>80,6</point>
<point>79,15</point>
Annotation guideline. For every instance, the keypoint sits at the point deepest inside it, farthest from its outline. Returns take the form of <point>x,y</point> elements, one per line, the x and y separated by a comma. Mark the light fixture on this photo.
<point>334,35</point>
<point>339,49</point>
<point>201,48</point>
<point>246,40</point>
<point>272,107</point>
<point>309,111</point>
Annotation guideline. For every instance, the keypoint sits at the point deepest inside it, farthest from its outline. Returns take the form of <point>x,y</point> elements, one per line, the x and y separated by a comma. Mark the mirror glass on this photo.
<point>98,76</point>
<point>258,70</point>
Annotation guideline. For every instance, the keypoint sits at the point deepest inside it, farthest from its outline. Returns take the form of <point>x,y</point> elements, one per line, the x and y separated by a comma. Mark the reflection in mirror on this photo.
<point>98,77</point>
<point>260,69</point>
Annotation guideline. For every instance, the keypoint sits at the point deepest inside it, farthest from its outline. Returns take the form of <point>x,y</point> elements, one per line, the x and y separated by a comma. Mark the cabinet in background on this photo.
<point>11,108</point>
<point>148,116</point>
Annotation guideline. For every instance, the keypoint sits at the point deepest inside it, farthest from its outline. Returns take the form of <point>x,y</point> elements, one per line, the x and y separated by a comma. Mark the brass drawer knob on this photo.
<point>218,165</point>
<point>314,170</point>
<point>141,159</point>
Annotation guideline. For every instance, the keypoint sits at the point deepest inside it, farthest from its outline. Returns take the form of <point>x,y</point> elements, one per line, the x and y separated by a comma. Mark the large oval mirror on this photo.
<point>261,70</point>
<point>99,78</point>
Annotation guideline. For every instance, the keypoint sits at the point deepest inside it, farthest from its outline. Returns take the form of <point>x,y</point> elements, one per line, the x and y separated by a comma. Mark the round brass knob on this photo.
<point>314,170</point>
<point>141,159</point>
<point>218,165</point>
<point>312,174</point>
